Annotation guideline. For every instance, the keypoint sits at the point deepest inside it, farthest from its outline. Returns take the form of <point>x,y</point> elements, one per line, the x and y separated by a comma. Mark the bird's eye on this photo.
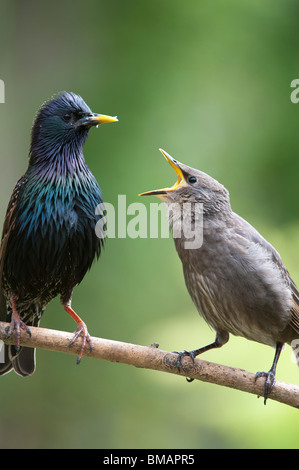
<point>192,179</point>
<point>66,117</point>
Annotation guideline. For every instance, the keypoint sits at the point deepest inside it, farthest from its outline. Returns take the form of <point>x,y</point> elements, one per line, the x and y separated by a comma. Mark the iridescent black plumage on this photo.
<point>49,240</point>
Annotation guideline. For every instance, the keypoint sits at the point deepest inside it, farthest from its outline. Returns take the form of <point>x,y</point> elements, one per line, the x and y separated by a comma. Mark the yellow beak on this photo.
<point>179,173</point>
<point>102,119</point>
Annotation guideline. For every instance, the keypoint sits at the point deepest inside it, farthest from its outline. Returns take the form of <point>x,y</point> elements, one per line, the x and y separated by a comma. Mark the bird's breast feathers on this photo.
<point>237,280</point>
<point>53,232</point>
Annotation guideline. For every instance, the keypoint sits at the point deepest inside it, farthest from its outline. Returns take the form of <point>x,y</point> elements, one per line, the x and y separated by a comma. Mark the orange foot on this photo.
<point>80,331</point>
<point>16,325</point>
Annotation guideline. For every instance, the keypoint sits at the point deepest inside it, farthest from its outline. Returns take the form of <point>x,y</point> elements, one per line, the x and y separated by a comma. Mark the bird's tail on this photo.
<point>22,361</point>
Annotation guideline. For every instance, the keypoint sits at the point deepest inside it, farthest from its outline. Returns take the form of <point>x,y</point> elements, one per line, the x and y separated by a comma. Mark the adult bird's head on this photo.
<point>192,186</point>
<point>63,121</point>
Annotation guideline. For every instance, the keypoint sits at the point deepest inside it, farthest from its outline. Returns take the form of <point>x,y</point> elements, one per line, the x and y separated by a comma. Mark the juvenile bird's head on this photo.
<point>63,121</point>
<point>192,186</point>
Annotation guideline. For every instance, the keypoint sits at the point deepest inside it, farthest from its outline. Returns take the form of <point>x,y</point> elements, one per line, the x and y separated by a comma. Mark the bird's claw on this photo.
<point>16,325</point>
<point>183,354</point>
<point>269,382</point>
<point>81,330</point>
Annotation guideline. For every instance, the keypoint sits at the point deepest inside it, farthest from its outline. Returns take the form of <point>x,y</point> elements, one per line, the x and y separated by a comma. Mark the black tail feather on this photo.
<point>22,361</point>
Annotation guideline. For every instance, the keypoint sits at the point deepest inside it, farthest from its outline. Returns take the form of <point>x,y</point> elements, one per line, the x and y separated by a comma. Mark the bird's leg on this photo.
<point>80,331</point>
<point>16,324</point>
<point>220,340</point>
<point>270,376</point>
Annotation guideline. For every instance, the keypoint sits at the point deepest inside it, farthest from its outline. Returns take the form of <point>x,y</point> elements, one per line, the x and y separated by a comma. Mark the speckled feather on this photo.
<point>236,279</point>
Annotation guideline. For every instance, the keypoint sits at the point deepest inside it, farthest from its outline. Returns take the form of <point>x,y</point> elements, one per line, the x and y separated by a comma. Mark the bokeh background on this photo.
<point>210,83</point>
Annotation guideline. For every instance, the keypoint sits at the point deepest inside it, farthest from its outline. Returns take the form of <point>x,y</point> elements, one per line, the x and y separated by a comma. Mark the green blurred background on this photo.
<point>210,83</point>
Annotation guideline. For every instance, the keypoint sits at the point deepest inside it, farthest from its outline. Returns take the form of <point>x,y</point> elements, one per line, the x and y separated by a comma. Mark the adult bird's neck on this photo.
<point>60,161</point>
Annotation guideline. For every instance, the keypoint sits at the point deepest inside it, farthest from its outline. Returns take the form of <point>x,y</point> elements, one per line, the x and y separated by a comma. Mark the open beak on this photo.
<point>96,119</point>
<point>179,173</point>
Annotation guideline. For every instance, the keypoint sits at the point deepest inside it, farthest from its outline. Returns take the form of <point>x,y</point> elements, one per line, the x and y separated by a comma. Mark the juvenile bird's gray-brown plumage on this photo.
<point>49,241</point>
<point>236,279</point>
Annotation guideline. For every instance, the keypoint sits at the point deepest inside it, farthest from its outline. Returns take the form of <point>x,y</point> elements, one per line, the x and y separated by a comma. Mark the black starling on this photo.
<point>236,279</point>
<point>49,240</point>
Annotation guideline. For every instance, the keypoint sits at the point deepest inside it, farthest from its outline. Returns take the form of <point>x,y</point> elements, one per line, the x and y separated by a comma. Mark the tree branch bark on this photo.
<point>150,357</point>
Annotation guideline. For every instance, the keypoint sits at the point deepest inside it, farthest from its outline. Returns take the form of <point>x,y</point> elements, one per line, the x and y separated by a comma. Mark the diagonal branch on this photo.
<point>150,357</point>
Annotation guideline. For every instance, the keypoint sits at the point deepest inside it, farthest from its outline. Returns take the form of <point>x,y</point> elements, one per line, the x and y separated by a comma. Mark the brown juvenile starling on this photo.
<point>236,279</point>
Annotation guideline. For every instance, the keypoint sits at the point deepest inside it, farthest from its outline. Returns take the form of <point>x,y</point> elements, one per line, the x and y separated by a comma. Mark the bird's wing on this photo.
<point>2,298</point>
<point>250,233</point>
<point>8,227</point>
<point>294,322</point>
